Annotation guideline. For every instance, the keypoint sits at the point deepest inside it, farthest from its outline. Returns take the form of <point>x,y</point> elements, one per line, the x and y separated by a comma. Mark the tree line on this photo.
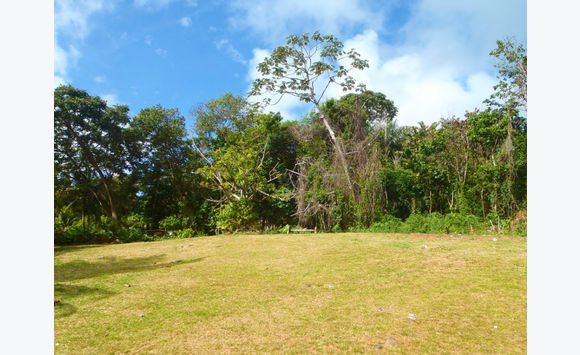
<point>346,165</point>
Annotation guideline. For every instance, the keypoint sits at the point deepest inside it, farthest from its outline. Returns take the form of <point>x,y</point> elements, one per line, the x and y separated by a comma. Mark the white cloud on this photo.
<point>159,4</point>
<point>233,53</point>
<point>274,20</point>
<point>64,59</point>
<point>111,99</point>
<point>100,79</point>
<point>71,21</point>
<point>58,81</point>
<point>185,21</point>
<point>161,52</point>
<point>439,65</point>
<point>421,91</point>
<point>71,17</point>
<point>152,4</point>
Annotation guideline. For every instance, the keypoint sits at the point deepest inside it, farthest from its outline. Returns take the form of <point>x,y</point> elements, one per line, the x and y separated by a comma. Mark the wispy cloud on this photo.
<point>185,21</point>
<point>111,99</point>
<point>232,52</point>
<point>100,79</point>
<point>273,20</point>
<point>72,23</point>
<point>161,52</point>
<point>64,59</point>
<point>152,4</point>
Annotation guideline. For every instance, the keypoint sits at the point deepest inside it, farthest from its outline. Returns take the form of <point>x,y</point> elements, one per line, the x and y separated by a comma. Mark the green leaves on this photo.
<point>305,64</point>
<point>511,91</point>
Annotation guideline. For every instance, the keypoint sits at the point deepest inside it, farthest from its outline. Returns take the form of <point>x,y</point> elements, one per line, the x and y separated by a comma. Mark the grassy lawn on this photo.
<point>293,293</point>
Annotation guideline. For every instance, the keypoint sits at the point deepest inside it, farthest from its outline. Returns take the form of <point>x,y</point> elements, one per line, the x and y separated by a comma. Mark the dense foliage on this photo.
<point>346,165</point>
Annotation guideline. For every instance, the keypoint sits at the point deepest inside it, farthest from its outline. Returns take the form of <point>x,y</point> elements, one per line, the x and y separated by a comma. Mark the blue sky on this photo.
<point>429,56</point>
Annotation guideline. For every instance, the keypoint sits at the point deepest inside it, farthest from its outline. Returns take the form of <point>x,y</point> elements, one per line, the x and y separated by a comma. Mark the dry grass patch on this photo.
<point>293,293</point>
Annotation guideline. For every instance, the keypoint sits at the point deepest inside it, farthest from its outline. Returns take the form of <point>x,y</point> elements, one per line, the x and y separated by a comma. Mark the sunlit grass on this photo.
<point>297,293</point>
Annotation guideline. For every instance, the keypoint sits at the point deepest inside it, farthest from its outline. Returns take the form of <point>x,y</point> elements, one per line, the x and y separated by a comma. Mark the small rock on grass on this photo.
<point>412,316</point>
<point>142,315</point>
<point>380,309</point>
<point>392,342</point>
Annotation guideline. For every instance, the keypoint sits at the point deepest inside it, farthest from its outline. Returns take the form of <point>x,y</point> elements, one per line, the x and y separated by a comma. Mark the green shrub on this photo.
<point>415,223</point>
<point>135,221</point>
<point>435,223</point>
<point>185,233</point>
<point>174,223</point>
<point>387,224</point>
<point>131,234</point>
<point>237,216</point>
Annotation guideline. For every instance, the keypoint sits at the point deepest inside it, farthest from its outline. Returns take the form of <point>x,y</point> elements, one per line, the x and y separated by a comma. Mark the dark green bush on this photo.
<point>174,223</point>
<point>387,224</point>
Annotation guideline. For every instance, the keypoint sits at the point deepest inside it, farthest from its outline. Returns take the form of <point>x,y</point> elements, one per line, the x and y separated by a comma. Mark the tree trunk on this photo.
<point>341,154</point>
<point>83,213</point>
<point>110,201</point>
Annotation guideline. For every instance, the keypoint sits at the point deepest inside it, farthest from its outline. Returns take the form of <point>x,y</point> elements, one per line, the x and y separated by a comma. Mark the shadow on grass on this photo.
<point>81,269</point>
<point>70,292</point>
<point>63,249</point>
<point>64,310</point>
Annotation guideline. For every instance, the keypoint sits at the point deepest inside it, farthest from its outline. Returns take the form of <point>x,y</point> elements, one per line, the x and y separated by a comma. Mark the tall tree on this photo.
<point>167,163</point>
<point>305,67</point>
<point>512,89</point>
<point>90,142</point>
<point>236,144</point>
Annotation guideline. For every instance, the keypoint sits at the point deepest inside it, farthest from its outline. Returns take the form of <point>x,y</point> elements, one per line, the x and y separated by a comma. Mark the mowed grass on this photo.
<point>293,293</point>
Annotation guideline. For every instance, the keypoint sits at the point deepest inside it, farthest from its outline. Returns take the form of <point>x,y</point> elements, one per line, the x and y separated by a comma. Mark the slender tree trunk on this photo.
<point>338,147</point>
<point>482,204</point>
<point>83,213</point>
<point>110,202</point>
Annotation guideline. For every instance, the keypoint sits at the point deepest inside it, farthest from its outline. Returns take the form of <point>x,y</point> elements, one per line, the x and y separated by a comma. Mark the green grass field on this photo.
<point>293,293</point>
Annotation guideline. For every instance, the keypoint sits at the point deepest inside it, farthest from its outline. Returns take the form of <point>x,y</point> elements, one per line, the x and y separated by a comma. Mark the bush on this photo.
<point>387,224</point>
<point>132,234</point>
<point>415,223</point>
<point>92,233</point>
<point>237,216</point>
<point>135,221</point>
<point>174,223</point>
<point>436,223</point>
<point>185,233</point>
<point>519,224</point>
